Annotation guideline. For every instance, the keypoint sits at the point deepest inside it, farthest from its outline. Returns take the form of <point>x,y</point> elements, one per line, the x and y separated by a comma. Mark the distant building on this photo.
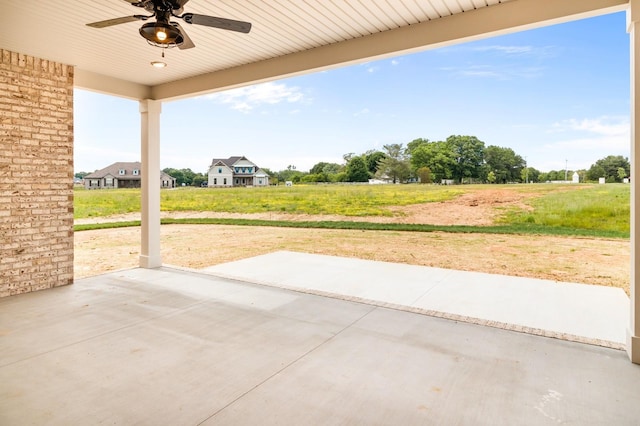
<point>236,171</point>
<point>122,175</point>
<point>575,178</point>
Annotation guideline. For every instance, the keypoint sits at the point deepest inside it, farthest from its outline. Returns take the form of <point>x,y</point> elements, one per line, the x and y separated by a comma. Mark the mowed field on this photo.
<point>576,233</point>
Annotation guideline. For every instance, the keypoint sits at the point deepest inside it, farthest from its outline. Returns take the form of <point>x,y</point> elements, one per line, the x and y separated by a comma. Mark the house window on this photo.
<point>215,181</point>
<point>249,169</point>
<point>135,172</point>
<point>259,181</point>
<point>236,181</point>
<point>121,172</point>
<point>219,169</point>
<point>108,181</point>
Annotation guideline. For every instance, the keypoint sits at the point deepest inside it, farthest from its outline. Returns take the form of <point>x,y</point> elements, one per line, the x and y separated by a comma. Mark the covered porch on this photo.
<point>162,345</point>
<point>136,347</point>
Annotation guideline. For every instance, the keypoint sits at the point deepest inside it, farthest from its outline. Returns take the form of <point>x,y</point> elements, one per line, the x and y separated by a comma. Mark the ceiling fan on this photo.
<point>164,33</point>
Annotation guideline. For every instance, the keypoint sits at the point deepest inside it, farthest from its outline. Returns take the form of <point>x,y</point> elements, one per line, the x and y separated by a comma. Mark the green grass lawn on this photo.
<point>347,200</point>
<point>592,210</point>
<point>596,207</point>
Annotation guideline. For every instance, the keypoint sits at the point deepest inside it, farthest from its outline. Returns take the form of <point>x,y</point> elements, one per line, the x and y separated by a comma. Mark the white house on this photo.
<point>236,171</point>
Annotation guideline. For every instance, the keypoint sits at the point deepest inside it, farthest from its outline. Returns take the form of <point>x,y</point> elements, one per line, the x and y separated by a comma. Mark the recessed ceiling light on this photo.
<point>158,64</point>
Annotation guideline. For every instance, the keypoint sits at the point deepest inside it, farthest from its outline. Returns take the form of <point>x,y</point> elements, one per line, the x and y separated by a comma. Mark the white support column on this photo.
<point>633,333</point>
<point>150,177</point>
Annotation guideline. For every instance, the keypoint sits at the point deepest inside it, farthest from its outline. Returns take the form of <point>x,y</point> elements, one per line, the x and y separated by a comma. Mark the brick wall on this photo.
<point>36,174</point>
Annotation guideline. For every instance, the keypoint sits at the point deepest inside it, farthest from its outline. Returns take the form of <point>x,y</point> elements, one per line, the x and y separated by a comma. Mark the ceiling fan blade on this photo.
<point>117,21</point>
<point>212,21</point>
<point>187,43</point>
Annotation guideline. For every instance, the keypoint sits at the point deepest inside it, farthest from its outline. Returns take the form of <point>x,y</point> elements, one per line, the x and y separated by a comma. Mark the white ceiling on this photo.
<point>288,37</point>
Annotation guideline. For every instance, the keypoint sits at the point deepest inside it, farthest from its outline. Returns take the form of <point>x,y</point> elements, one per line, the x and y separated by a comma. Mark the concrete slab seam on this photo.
<point>437,314</point>
<point>278,372</point>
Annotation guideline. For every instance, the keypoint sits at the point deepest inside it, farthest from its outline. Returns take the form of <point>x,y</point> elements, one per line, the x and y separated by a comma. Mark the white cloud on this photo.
<point>479,71</point>
<point>245,99</point>
<point>613,143</point>
<point>588,140</point>
<point>362,112</point>
<point>395,62</point>
<point>539,52</point>
<point>492,71</point>
<point>605,125</point>
<point>509,50</point>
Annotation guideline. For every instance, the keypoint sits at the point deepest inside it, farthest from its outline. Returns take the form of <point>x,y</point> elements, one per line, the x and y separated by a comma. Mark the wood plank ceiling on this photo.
<point>56,30</point>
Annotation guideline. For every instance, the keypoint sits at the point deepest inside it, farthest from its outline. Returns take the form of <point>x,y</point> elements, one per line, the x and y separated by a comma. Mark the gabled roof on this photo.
<point>231,161</point>
<point>219,162</point>
<point>128,167</point>
<point>114,170</point>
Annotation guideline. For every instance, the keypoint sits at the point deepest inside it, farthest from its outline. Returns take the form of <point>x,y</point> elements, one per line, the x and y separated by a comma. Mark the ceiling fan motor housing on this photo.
<point>161,34</point>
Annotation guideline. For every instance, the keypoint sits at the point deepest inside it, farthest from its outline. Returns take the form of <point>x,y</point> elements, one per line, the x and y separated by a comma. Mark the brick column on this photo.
<point>36,174</point>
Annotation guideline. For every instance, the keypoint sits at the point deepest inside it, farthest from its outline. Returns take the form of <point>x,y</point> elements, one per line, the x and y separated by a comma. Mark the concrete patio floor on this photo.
<point>171,346</point>
<point>577,312</point>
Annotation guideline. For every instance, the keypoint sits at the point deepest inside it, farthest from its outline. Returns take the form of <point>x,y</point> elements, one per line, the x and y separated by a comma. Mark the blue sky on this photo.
<point>554,94</point>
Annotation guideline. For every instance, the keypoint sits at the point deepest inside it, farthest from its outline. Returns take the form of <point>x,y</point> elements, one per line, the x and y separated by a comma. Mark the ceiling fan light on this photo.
<point>158,64</point>
<point>161,34</point>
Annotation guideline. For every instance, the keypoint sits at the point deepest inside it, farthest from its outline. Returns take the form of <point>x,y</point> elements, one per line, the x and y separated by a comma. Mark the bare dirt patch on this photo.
<point>589,261</point>
<point>479,208</point>
<point>583,260</point>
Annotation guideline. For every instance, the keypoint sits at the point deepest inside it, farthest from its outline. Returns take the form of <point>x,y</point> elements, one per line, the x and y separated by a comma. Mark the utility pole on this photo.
<point>566,169</point>
<point>526,171</point>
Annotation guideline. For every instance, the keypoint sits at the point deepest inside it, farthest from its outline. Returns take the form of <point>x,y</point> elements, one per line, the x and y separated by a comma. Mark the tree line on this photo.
<point>459,159</point>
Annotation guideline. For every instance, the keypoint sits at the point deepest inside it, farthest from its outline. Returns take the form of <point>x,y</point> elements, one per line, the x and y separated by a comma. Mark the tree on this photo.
<point>290,174</point>
<point>534,175</point>
<point>356,170</point>
<point>437,156</point>
<point>504,163</point>
<point>424,174</point>
<point>332,168</point>
<point>373,158</point>
<point>198,179</point>
<point>491,177</point>
<point>468,153</point>
<point>268,171</point>
<point>608,168</point>
<point>80,175</point>
<point>622,173</point>
<point>395,165</point>
<point>185,176</point>
<point>416,143</point>
<point>322,172</point>
<point>348,156</point>
<point>177,174</point>
<point>317,168</point>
